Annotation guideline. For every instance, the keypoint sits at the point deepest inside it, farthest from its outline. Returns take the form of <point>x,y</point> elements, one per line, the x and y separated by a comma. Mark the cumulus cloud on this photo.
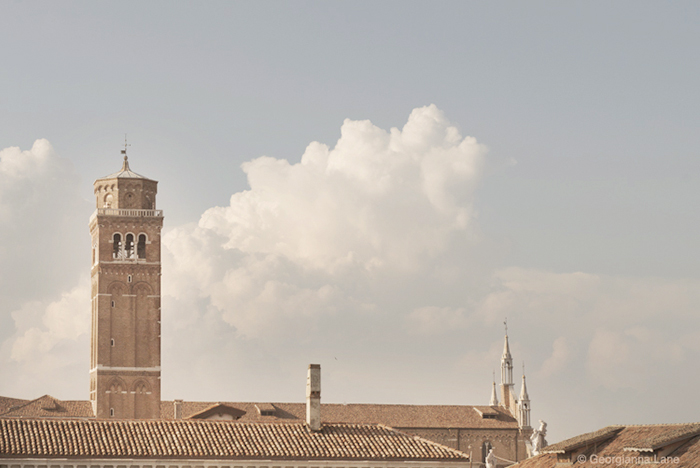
<point>366,256</point>
<point>43,243</point>
<point>42,224</point>
<point>41,327</point>
<point>557,360</point>
<point>49,351</point>
<point>377,198</point>
<point>619,359</point>
<point>341,256</point>
<point>434,320</point>
<point>315,238</point>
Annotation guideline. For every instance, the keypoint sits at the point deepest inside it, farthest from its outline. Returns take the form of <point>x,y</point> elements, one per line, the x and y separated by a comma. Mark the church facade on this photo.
<point>125,360</point>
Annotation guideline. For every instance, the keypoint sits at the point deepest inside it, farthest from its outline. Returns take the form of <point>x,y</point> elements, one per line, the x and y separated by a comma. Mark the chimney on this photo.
<point>313,397</point>
<point>177,407</point>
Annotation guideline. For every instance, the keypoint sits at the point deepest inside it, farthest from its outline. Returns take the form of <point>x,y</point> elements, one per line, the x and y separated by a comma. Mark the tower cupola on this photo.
<point>125,189</point>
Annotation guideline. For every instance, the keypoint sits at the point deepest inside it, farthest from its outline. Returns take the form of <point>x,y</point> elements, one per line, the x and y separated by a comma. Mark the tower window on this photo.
<point>128,279</point>
<point>141,247</point>
<point>129,246</point>
<point>111,411</point>
<point>116,245</point>
<point>113,304</point>
<point>112,342</point>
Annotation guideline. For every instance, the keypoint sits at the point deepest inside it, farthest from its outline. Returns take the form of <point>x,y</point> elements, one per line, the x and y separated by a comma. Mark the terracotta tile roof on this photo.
<point>50,407</point>
<point>209,439</point>
<point>583,440</point>
<point>397,416</point>
<point>7,403</point>
<point>218,409</point>
<point>665,438</point>
<point>619,450</point>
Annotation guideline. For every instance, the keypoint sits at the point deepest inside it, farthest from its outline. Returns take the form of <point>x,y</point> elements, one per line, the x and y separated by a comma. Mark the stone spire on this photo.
<point>506,350</point>
<point>494,396</point>
<point>506,362</point>
<point>524,405</point>
<point>523,391</point>
<point>507,390</point>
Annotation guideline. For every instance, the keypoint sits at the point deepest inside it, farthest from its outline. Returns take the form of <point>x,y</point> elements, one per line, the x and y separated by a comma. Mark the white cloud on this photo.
<point>321,237</point>
<point>49,351</point>
<point>43,246</point>
<point>436,320</point>
<point>557,360</point>
<point>377,198</point>
<point>42,224</point>
<point>334,259</point>
<point>634,357</point>
<point>365,252</point>
<point>68,318</point>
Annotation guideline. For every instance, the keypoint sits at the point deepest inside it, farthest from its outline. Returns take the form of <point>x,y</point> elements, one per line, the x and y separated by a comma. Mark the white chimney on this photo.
<point>313,397</point>
<point>177,409</point>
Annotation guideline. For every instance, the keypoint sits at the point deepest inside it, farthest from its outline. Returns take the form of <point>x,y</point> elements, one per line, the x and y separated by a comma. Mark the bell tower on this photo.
<point>125,337</point>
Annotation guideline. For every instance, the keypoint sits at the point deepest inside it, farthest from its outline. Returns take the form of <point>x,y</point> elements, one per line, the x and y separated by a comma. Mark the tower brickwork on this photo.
<point>126,269</point>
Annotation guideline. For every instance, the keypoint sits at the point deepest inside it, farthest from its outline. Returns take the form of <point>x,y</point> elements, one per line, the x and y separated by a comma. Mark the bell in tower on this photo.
<point>125,341</point>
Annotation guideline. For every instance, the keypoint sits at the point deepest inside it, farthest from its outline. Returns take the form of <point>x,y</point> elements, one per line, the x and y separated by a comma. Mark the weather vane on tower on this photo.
<point>125,165</point>
<point>125,145</point>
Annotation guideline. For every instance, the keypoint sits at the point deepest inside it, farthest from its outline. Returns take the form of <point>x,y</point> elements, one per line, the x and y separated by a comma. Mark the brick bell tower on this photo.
<point>125,349</point>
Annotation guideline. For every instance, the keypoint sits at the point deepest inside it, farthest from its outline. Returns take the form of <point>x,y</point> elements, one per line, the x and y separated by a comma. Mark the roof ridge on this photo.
<point>28,403</point>
<point>584,439</point>
<point>655,424</point>
<point>324,403</point>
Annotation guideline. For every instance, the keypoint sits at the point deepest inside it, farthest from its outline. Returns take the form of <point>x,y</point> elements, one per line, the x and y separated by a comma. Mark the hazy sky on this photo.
<point>372,186</point>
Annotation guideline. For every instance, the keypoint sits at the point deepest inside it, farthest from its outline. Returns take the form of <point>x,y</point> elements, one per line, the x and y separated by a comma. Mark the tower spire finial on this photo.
<point>125,164</point>
<point>505,324</point>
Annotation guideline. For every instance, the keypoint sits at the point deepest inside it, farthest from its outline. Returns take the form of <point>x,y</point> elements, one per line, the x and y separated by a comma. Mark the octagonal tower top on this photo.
<point>125,190</point>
